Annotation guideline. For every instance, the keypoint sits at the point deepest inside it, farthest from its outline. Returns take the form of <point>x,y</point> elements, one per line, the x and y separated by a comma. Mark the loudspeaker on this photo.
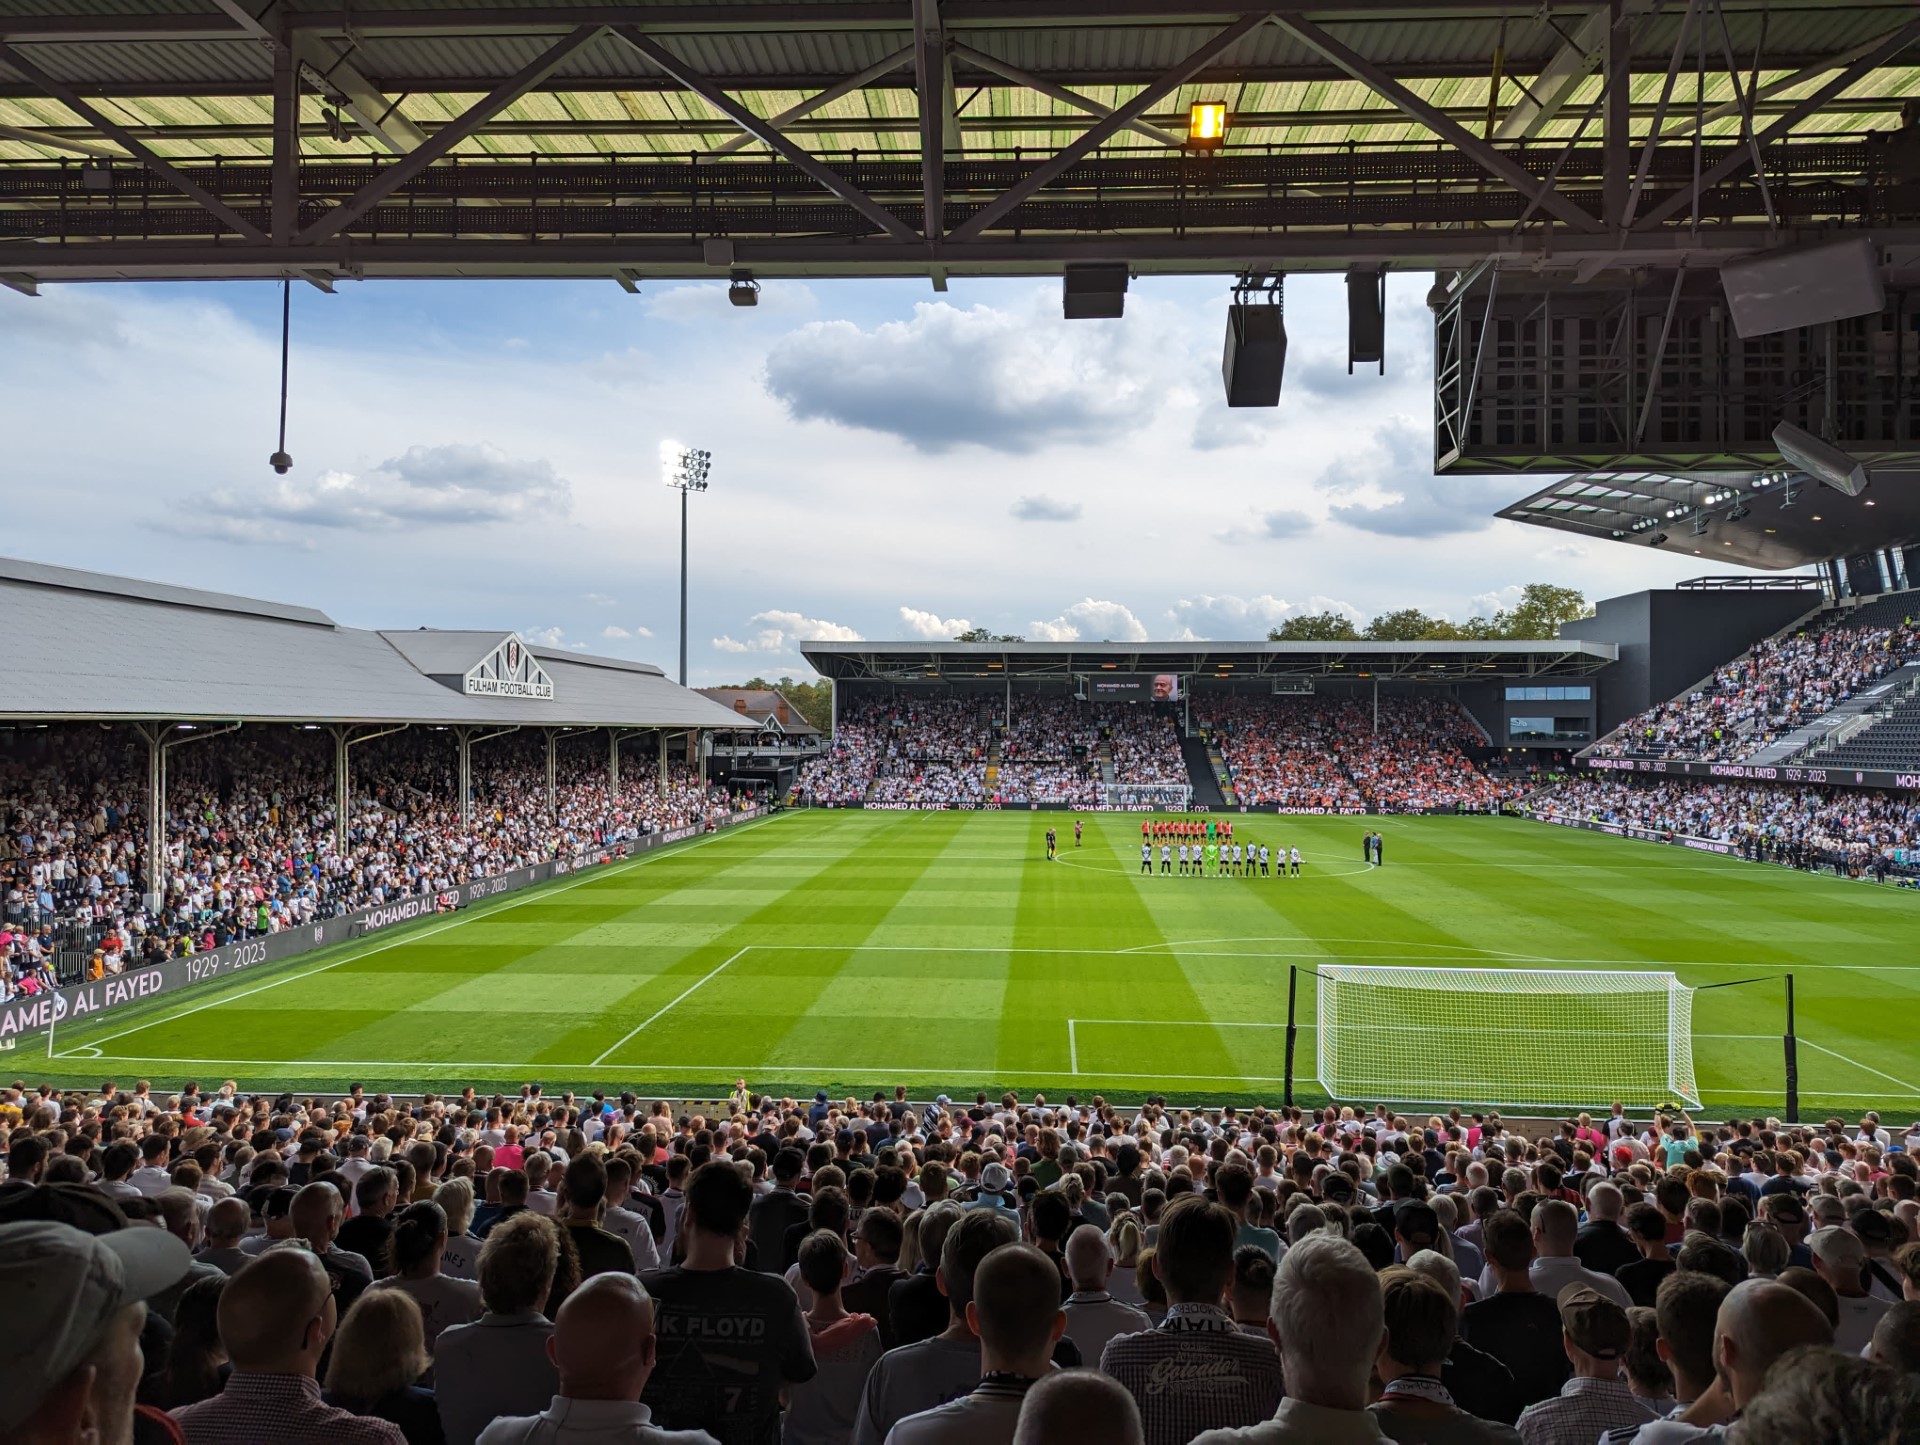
<point>1366,315</point>
<point>1096,291</point>
<point>1815,284</point>
<point>1256,354</point>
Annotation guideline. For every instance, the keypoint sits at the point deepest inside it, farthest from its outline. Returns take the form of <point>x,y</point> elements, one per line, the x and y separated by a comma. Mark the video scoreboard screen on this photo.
<point>1133,687</point>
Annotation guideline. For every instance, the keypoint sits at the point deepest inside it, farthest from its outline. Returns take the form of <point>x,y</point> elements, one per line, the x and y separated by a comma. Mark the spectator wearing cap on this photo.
<point>1875,1232</point>
<point>1596,1334</point>
<point>73,1307</point>
<point>996,1190</point>
<point>276,1318</point>
<point>1196,1371</point>
<point>1016,1312</point>
<point>1841,1260</point>
<point>1415,1407</point>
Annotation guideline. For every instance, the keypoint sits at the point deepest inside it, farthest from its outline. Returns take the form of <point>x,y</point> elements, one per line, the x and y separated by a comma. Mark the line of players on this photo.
<point>1223,860</point>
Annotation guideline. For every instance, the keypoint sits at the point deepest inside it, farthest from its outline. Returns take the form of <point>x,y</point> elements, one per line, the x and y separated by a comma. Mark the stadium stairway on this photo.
<point>1200,773</point>
<point>1882,731</point>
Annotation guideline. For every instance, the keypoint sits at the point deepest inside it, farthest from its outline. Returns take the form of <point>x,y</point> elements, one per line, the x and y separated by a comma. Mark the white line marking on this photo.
<point>1073,1049</point>
<point>1466,948</point>
<point>667,1008</point>
<point>1858,1065</point>
<point>1310,1028</point>
<point>486,910</point>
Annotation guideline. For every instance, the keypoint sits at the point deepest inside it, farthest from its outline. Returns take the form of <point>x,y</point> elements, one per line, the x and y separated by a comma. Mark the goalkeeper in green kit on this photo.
<point>1213,859</point>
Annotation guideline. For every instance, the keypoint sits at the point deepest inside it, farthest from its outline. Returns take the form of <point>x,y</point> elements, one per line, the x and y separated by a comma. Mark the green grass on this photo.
<point>853,950</point>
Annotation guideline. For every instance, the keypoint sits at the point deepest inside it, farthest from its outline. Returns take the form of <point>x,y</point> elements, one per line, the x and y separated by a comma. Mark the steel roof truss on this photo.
<point>858,81</point>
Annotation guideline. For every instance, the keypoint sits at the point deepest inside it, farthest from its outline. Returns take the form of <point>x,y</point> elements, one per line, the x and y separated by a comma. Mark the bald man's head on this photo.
<point>603,1342</point>
<point>276,1314</point>
<point>1073,1405</point>
<point>226,1223</point>
<point>1089,1259</point>
<point>1016,1309</point>
<point>1759,1322</point>
<point>317,1210</point>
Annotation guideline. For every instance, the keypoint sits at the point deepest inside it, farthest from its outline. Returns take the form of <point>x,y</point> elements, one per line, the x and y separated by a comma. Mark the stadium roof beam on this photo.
<point>1041,86</point>
<point>417,160</point>
<point>1578,56</point>
<point>64,93</point>
<point>761,130</point>
<point>359,96</point>
<point>859,80</point>
<point>932,77</point>
<point>1495,162</point>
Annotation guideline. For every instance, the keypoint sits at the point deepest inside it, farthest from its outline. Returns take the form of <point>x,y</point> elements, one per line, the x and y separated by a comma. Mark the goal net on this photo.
<point>1164,797</point>
<point>1509,1038</point>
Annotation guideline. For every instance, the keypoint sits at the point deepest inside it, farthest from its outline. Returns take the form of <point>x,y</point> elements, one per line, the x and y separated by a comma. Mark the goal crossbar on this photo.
<point>1508,1038</point>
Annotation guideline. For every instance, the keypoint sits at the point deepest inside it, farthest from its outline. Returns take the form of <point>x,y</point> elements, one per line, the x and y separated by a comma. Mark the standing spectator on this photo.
<point>197,1366</point>
<point>1078,1405</point>
<point>1759,1321</point>
<point>917,1377</point>
<point>1831,1396</point>
<point>584,1193</point>
<point>1196,1371</point>
<point>777,1211</point>
<point>1556,1227</point>
<point>1094,1316</point>
<point>460,1258</point>
<point>845,1346</point>
<point>731,1339</point>
<point>1517,1325</point>
<point>1596,1335</point>
<point>73,1310</point>
<point>604,1347</point>
<point>915,1304</point>
<point>499,1365</point>
<point>276,1318</point>
<point>226,1227</point>
<point>1841,1260</point>
<point>1327,1323</point>
<point>370,1230</point>
<point>378,1358</point>
<point>1478,1383</point>
<point>316,1215</point>
<point>1415,1407</point>
<point>629,1224</point>
<point>876,1245</point>
<point>1016,1312</point>
<point>419,1245</point>
<point>1647,1230</point>
<point>1602,1245</point>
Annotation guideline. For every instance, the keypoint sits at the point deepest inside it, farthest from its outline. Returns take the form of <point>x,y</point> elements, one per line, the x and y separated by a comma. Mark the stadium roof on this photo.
<point>87,645</point>
<point>1770,519</point>
<point>1226,661</point>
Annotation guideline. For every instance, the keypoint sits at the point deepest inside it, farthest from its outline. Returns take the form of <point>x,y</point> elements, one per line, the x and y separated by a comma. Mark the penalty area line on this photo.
<point>669,1007</point>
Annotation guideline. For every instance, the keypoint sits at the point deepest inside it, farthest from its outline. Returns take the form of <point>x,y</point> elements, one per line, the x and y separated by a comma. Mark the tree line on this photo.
<point>1538,614</point>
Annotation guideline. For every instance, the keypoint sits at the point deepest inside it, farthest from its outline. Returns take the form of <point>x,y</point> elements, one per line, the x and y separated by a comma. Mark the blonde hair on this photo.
<point>1126,1237</point>
<point>381,1346</point>
<point>517,1263</point>
<point>455,1198</point>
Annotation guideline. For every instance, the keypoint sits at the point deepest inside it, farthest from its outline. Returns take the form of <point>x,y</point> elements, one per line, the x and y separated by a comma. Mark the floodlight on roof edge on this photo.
<point>1821,460</point>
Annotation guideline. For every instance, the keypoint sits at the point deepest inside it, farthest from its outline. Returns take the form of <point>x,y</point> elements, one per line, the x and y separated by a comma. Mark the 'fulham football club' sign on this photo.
<point>510,670</point>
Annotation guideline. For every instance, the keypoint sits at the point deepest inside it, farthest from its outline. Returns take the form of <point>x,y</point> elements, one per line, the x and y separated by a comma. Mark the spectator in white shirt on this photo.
<point>1841,1260</point>
<point>629,1224</point>
<point>604,1347</point>
<point>1094,1316</point>
<point>1555,1227</point>
<point>540,1199</point>
<point>460,1258</point>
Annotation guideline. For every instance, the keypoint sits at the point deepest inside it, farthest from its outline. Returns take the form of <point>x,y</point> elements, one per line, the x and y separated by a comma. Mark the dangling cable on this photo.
<point>280,461</point>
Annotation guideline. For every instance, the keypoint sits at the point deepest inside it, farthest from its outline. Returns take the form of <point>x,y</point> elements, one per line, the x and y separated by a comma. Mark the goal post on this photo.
<point>1507,1038</point>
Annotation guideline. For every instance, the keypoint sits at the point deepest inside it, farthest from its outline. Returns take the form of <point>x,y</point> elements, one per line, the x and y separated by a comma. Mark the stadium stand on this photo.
<point>1857,832</point>
<point>1471,1244</point>
<point>1777,687</point>
<point>251,838</point>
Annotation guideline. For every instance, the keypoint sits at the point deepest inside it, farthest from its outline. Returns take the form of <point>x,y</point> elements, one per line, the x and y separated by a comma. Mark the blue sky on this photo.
<point>888,462</point>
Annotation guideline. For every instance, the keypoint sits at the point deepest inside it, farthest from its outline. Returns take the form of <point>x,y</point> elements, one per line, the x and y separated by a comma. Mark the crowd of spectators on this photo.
<point>251,844</point>
<point>210,1266</point>
<point>929,750</point>
<point>1335,752</point>
<point>1777,686</point>
<point>1853,831</point>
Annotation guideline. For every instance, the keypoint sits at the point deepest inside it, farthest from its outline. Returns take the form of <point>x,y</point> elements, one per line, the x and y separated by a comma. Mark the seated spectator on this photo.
<point>1415,1406</point>
<point>604,1347</point>
<point>378,1357</point>
<point>74,1308</point>
<point>823,1410</point>
<point>499,1364</point>
<point>1016,1312</point>
<point>1195,1371</point>
<point>1078,1405</point>
<point>277,1317</point>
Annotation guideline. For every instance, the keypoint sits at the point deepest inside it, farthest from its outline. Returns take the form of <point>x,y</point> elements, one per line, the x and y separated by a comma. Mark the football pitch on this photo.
<point>852,950</point>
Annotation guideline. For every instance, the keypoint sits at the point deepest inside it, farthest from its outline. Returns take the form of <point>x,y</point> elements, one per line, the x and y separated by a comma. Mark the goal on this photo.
<point>1509,1038</point>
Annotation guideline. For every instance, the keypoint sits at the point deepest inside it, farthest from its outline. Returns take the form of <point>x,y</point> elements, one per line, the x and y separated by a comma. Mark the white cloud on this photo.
<point>780,631</point>
<point>639,631</point>
<point>551,637</point>
<point>610,630</point>
<point>1564,552</point>
<point>1045,509</point>
<point>1205,617</point>
<point>1090,621</point>
<point>443,486</point>
<point>932,625</point>
<point>598,599</point>
<point>1009,380</point>
<point>1389,488</point>
<point>1277,525</point>
<point>1485,604</point>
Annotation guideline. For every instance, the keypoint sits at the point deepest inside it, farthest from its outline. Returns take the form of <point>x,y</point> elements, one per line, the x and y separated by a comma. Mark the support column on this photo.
<point>552,772</point>
<point>342,786</point>
<point>156,879</point>
<point>1376,704</point>
<point>1615,140</point>
<point>466,776</point>
<point>693,741</point>
<point>613,762</point>
<point>661,738</point>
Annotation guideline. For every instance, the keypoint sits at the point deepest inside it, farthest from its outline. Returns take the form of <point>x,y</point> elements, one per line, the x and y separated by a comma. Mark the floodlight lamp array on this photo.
<point>684,468</point>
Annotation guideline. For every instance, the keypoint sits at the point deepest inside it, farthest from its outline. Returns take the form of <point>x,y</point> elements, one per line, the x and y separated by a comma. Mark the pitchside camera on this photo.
<point>1821,460</point>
